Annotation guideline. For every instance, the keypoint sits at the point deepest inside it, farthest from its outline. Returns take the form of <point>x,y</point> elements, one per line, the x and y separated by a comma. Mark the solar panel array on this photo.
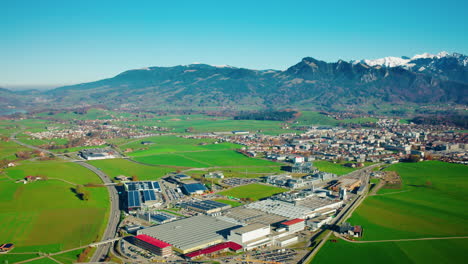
<point>142,185</point>
<point>156,186</point>
<point>205,205</point>
<point>134,199</point>
<point>149,195</point>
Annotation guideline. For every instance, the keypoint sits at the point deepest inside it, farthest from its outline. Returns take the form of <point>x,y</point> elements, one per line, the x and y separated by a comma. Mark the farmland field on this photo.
<point>255,191</point>
<point>47,216</point>
<point>426,251</point>
<point>116,167</point>
<point>54,169</point>
<point>336,168</point>
<point>231,203</point>
<point>431,203</point>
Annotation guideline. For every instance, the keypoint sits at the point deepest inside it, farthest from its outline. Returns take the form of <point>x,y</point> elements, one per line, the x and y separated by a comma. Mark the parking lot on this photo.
<point>238,181</point>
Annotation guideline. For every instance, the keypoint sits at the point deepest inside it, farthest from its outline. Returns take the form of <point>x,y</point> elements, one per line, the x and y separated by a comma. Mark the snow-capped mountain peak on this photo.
<point>423,56</point>
<point>387,62</point>
<point>402,61</point>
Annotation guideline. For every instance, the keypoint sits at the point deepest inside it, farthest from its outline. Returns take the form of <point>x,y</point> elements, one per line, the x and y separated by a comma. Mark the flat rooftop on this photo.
<point>249,228</point>
<point>251,216</point>
<point>190,232</point>
<point>285,209</point>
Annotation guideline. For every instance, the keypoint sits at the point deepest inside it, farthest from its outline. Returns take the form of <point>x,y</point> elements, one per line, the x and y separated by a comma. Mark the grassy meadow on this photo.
<point>47,216</point>
<point>431,203</point>
<point>116,167</point>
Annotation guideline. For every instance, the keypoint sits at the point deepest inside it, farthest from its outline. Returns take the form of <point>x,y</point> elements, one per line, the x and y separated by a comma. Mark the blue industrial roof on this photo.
<point>134,199</point>
<point>194,187</point>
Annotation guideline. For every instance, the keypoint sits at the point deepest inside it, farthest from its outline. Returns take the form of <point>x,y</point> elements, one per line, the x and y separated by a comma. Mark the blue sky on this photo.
<point>52,43</point>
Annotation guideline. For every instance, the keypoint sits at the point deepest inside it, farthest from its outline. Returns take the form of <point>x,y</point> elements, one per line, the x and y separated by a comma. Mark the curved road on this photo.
<point>114,214</point>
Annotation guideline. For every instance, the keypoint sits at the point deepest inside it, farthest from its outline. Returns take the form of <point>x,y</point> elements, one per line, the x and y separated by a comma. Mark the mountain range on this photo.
<point>421,80</point>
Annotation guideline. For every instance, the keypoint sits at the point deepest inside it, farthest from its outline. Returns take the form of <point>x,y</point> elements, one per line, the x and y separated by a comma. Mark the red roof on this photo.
<point>292,222</point>
<point>208,250</point>
<point>153,241</point>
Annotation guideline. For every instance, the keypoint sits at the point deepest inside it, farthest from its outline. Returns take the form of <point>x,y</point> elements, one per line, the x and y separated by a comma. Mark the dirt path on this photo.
<point>399,240</point>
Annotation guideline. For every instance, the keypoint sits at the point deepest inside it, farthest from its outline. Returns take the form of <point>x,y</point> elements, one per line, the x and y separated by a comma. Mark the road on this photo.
<point>114,213</point>
<point>364,174</point>
<point>61,252</point>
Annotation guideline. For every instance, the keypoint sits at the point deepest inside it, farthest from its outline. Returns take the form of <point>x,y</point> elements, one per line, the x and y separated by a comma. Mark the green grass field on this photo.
<point>431,203</point>
<point>47,216</point>
<point>336,168</point>
<point>255,191</point>
<point>9,148</point>
<point>431,251</point>
<point>315,118</point>
<point>171,144</point>
<point>54,170</point>
<point>231,203</point>
<point>116,167</point>
<point>192,153</point>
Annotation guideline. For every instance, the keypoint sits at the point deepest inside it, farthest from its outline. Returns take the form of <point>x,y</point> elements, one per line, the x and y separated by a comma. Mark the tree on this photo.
<point>135,178</point>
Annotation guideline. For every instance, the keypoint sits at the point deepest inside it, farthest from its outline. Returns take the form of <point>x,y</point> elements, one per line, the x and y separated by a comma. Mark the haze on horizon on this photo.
<point>52,43</point>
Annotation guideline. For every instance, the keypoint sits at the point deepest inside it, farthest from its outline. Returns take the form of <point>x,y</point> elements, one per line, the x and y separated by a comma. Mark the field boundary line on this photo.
<point>399,240</point>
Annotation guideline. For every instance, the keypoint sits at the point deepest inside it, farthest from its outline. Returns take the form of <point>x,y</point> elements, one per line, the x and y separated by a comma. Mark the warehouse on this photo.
<point>193,188</point>
<point>285,209</point>
<point>251,236</point>
<point>245,216</point>
<point>190,234</point>
<point>96,154</point>
<point>153,245</point>
<point>142,186</point>
<point>294,225</point>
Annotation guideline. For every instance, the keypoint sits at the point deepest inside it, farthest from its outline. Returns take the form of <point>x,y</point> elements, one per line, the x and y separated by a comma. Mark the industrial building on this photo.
<point>142,194</point>
<point>214,249</point>
<point>193,188</point>
<point>251,236</point>
<point>293,226</point>
<point>303,167</point>
<point>190,234</point>
<point>6,247</point>
<point>347,183</point>
<point>142,185</point>
<point>153,245</point>
<point>243,216</point>
<point>282,208</point>
<point>96,154</point>
<point>318,222</point>
<point>214,175</point>
<point>205,206</point>
<point>156,217</point>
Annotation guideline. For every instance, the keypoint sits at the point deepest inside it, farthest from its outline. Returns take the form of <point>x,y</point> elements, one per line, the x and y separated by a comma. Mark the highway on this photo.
<point>114,213</point>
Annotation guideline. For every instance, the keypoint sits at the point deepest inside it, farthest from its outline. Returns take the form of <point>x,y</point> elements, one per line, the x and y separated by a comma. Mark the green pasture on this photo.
<point>116,167</point>
<point>255,191</point>
<point>426,251</point>
<point>176,160</point>
<point>316,118</point>
<point>336,168</point>
<point>173,144</point>
<point>431,203</point>
<point>229,202</point>
<point>54,169</point>
<point>9,148</point>
<point>47,216</point>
